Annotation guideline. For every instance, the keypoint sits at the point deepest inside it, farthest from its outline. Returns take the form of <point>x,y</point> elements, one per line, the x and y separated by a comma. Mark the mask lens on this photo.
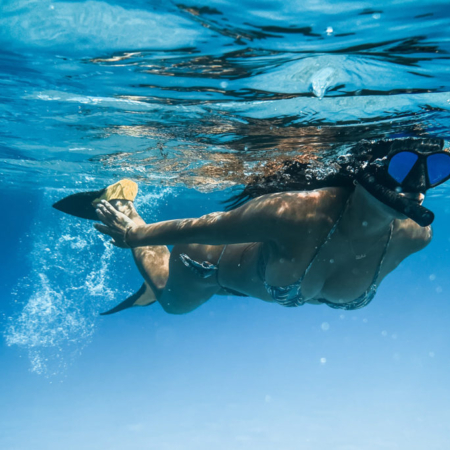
<point>438,168</point>
<point>401,164</point>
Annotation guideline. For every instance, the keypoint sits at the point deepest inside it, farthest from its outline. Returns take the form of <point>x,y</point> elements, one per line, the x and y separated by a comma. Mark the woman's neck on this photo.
<point>366,216</point>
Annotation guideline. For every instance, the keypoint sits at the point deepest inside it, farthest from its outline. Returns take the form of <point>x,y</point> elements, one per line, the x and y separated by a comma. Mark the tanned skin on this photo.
<point>286,228</point>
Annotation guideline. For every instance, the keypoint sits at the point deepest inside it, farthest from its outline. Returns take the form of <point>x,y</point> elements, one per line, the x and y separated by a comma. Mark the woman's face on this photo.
<point>419,197</point>
<point>416,197</point>
<point>400,179</point>
<point>384,208</point>
<point>413,167</point>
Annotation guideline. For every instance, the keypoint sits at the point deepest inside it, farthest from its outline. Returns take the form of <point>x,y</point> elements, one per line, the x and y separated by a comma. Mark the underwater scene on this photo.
<point>286,288</point>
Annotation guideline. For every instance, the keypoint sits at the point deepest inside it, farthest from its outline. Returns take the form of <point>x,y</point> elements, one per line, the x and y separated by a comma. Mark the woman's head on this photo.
<point>399,172</point>
<point>370,163</point>
<point>406,165</point>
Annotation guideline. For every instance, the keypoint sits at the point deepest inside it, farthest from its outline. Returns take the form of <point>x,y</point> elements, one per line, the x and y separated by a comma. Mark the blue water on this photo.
<point>190,100</point>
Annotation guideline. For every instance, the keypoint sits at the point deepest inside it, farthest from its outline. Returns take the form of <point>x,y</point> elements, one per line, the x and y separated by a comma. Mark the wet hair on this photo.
<point>292,176</point>
<point>299,176</point>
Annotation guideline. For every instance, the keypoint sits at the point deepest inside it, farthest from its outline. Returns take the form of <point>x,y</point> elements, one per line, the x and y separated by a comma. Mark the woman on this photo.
<point>328,241</point>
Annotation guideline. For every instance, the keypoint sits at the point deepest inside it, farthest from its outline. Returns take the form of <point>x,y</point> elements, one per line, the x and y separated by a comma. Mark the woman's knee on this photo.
<point>176,307</point>
<point>183,305</point>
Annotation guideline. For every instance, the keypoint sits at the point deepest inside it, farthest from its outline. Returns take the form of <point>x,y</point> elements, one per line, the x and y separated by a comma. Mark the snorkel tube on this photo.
<point>409,207</point>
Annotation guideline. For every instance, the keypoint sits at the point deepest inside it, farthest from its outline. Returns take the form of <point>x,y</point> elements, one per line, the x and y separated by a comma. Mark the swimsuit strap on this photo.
<point>369,294</point>
<point>203,269</point>
<point>383,256</point>
<point>221,254</point>
<point>327,239</point>
<point>262,263</point>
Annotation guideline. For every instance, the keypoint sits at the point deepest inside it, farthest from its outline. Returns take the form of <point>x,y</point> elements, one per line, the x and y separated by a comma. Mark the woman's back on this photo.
<point>337,254</point>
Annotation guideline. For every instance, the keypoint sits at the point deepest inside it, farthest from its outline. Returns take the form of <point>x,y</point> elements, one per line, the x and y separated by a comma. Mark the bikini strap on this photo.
<point>327,239</point>
<point>221,254</point>
<point>383,256</point>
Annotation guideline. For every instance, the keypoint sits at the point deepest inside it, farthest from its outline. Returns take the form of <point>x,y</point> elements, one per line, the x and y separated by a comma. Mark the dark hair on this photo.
<point>300,176</point>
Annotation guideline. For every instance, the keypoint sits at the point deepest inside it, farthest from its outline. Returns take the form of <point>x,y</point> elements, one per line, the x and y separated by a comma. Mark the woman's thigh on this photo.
<point>185,290</point>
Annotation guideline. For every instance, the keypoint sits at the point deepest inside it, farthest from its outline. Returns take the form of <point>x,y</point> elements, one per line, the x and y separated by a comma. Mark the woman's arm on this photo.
<point>271,217</point>
<point>255,221</point>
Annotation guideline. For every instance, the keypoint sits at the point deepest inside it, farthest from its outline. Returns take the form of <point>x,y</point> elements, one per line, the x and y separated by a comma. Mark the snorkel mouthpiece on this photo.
<point>409,207</point>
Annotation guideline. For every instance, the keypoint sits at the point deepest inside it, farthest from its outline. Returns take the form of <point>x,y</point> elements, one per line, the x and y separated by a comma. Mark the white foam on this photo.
<point>69,267</point>
<point>72,279</point>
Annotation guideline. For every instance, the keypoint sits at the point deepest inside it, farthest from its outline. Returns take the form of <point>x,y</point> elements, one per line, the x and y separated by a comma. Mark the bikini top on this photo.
<point>291,295</point>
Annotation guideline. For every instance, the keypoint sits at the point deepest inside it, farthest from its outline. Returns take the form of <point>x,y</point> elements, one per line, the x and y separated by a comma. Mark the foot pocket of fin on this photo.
<point>83,204</point>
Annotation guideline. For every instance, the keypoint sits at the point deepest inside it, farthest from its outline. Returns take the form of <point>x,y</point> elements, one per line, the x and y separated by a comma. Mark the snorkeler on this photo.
<point>288,238</point>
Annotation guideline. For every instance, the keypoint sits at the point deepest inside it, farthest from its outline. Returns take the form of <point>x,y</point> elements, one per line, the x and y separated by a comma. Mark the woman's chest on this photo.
<point>339,270</point>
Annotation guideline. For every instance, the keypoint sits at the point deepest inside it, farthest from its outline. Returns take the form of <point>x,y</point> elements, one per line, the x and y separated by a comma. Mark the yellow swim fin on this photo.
<point>122,190</point>
<point>83,204</point>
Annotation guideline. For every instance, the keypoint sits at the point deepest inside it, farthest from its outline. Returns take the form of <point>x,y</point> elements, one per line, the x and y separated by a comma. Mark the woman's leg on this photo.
<point>174,285</point>
<point>185,290</point>
<point>152,261</point>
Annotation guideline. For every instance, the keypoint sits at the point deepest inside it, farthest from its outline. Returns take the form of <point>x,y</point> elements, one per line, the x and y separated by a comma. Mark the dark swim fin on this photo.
<point>83,204</point>
<point>143,297</point>
<point>80,204</point>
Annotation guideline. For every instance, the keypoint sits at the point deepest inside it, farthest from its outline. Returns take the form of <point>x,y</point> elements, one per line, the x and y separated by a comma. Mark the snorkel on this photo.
<point>409,207</point>
<point>374,177</point>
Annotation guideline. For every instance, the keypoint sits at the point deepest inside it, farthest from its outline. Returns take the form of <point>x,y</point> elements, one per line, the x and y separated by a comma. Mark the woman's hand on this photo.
<point>116,224</point>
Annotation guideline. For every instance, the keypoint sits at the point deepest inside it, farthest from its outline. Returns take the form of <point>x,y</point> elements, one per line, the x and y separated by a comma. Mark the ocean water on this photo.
<point>190,100</point>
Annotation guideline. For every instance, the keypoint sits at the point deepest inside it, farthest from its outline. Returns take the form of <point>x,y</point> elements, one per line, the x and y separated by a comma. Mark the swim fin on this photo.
<point>143,297</point>
<point>80,204</point>
<point>83,204</point>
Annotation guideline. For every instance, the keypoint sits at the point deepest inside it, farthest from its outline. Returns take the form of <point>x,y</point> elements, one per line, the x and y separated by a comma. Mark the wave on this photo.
<point>92,26</point>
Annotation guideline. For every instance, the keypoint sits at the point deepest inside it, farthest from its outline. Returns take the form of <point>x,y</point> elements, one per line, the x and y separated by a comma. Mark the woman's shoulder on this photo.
<point>315,207</point>
<point>317,200</point>
<point>319,197</point>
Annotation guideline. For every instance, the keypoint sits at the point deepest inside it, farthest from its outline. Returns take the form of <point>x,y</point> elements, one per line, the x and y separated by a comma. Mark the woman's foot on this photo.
<point>115,224</point>
<point>84,204</point>
<point>127,207</point>
<point>122,190</point>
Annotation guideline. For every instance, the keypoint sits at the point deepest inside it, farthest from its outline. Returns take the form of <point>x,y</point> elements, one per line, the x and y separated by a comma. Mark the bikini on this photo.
<point>206,269</point>
<point>291,295</point>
